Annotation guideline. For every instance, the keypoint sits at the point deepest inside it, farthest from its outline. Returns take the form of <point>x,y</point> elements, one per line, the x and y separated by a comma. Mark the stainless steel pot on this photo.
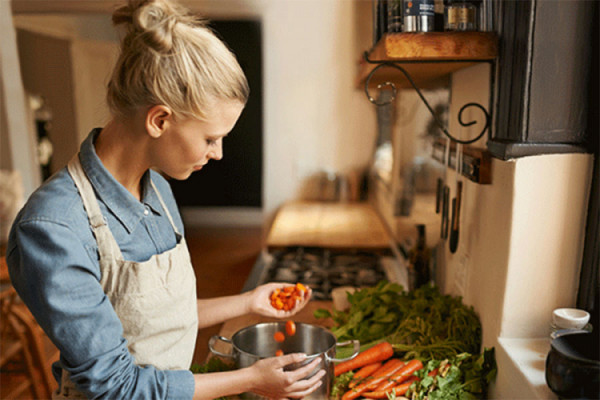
<point>256,342</point>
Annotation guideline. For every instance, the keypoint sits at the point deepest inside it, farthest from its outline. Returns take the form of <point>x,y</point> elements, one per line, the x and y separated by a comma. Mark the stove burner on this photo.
<point>324,269</point>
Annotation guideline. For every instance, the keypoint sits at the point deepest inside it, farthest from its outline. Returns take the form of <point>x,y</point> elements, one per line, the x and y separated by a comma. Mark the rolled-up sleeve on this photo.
<point>56,278</point>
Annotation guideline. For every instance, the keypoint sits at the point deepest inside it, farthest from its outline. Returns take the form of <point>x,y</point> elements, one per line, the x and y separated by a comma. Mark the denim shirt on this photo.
<point>52,257</point>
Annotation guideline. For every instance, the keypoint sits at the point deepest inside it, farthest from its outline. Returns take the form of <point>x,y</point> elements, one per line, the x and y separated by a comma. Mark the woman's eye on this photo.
<point>210,142</point>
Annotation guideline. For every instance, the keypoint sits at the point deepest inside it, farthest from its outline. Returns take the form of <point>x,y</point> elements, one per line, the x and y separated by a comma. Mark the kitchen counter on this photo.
<point>331,225</point>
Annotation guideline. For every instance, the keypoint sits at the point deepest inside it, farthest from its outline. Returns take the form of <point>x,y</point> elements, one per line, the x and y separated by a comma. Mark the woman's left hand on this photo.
<point>260,301</point>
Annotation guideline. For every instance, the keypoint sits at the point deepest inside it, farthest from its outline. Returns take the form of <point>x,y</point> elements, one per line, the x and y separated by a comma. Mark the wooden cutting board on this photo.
<point>334,225</point>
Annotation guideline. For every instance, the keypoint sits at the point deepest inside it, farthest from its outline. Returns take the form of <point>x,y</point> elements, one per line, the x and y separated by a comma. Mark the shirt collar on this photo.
<point>122,204</point>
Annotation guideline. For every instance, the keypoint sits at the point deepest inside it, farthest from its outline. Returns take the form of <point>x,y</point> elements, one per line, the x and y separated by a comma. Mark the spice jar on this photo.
<point>461,15</point>
<point>418,15</point>
<point>394,16</point>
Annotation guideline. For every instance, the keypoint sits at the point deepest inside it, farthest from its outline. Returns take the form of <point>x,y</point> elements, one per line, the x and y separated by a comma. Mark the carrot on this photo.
<point>400,390</point>
<point>290,328</point>
<point>379,352</point>
<point>400,376</point>
<point>285,298</point>
<point>365,373</point>
<point>385,372</point>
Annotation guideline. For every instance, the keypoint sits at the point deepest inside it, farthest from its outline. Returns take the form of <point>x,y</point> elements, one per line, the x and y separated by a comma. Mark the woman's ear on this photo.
<point>158,119</point>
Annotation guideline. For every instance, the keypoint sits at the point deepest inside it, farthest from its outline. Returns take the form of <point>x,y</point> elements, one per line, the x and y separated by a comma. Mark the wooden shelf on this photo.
<point>429,57</point>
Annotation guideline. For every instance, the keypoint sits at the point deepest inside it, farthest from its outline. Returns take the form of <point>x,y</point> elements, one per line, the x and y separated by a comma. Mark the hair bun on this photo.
<point>151,21</point>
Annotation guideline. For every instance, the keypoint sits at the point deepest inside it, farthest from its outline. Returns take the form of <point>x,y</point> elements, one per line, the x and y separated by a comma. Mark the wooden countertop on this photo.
<point>333,225</point>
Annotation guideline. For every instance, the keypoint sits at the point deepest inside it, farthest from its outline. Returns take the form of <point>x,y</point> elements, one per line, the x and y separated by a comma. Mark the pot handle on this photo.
<point>355,344</point>
<point>211,343</point>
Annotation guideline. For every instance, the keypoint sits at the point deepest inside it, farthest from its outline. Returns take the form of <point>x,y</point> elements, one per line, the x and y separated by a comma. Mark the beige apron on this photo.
<point>154,299</point>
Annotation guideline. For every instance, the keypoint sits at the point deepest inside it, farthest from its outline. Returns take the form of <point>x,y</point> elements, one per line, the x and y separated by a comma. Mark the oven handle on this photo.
<point>355,344</point>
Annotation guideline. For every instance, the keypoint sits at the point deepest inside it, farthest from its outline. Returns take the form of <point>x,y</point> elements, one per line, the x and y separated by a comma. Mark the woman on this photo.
<point>97,253</point>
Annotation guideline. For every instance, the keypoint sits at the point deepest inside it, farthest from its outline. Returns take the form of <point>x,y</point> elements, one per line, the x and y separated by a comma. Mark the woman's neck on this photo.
<point>120,148</point>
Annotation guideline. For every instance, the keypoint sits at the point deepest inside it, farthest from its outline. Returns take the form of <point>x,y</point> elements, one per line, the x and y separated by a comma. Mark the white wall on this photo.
<point>15,128</point>
<point>314,116</point>
<point>520,249</point>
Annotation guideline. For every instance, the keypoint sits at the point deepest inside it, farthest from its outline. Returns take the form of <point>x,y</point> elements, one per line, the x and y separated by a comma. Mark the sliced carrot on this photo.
<point>285,298</point>
<point>379,352</point>
<point>301,287</point>
<point>290,328</point>
<point>279,337</point>
<point>279,353</point>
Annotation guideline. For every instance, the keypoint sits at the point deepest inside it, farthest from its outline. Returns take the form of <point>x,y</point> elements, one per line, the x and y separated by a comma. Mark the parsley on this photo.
<point>420,324</point>
<point>463,377</point>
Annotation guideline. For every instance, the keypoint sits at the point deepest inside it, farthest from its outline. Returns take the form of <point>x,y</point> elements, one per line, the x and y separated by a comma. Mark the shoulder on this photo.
<point>57,202</point>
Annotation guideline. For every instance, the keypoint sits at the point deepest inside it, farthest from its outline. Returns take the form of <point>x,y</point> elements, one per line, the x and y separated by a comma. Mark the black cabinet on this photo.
<point>543,90</point>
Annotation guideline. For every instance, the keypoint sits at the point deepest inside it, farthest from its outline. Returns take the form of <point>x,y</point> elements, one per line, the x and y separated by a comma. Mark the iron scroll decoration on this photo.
<point>383,64</point>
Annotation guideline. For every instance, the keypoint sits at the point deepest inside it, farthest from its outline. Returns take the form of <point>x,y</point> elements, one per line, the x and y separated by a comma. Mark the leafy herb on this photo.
<point>340,385</point>
<point>465,376</point>
<point>420,324</point>
<point>214,364</point>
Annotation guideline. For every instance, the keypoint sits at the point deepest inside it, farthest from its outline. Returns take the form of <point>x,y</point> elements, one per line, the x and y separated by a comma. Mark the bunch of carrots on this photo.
<point>377,374</point>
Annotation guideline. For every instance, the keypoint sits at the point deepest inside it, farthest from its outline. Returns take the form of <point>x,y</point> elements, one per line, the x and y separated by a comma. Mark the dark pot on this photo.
<point>573,365</point>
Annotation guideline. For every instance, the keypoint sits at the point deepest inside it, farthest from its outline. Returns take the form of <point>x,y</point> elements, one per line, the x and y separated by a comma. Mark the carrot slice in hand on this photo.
<point>285,298</point>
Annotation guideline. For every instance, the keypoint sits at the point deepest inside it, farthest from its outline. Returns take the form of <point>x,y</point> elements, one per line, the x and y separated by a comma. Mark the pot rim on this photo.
<point>586,361</point>
<point>309,357</point>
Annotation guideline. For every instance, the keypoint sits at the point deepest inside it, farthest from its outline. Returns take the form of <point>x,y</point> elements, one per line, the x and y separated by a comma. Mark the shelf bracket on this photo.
<point>395,64</point>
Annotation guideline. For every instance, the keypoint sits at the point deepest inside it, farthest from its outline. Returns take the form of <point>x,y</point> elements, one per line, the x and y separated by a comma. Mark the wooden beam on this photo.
<point>63,6</point>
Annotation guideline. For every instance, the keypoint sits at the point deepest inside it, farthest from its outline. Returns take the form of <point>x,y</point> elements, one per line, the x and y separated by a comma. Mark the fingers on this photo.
<point>303,371</point>
<point>304,387</point>
<point>290,358</point>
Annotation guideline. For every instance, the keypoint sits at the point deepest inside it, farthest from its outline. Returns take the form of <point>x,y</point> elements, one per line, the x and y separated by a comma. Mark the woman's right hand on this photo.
<point>273,382</point>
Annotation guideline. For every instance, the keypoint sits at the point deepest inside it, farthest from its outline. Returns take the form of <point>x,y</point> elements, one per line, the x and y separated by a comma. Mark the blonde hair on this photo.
<point>169,57</point>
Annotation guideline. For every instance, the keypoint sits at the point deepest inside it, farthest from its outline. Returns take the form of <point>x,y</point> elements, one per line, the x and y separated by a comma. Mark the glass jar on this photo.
<point>461,15</point>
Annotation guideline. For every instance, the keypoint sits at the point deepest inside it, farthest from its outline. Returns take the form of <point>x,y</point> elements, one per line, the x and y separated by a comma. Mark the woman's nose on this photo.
<point>217,152</point>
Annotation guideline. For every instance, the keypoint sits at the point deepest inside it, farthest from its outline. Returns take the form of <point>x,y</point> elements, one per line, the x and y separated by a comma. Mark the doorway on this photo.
<point>236,180</point>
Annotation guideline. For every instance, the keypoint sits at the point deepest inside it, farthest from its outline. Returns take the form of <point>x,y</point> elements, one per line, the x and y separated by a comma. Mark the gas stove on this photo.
<point>324,269</point>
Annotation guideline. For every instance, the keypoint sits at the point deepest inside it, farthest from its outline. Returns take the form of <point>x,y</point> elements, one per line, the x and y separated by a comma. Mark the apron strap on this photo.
<point>107,245</point>
<point>164,206</point>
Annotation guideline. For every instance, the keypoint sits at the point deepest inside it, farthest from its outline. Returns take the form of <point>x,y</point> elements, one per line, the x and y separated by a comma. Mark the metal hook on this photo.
<point>385,102</point>
<point>435,117</point>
